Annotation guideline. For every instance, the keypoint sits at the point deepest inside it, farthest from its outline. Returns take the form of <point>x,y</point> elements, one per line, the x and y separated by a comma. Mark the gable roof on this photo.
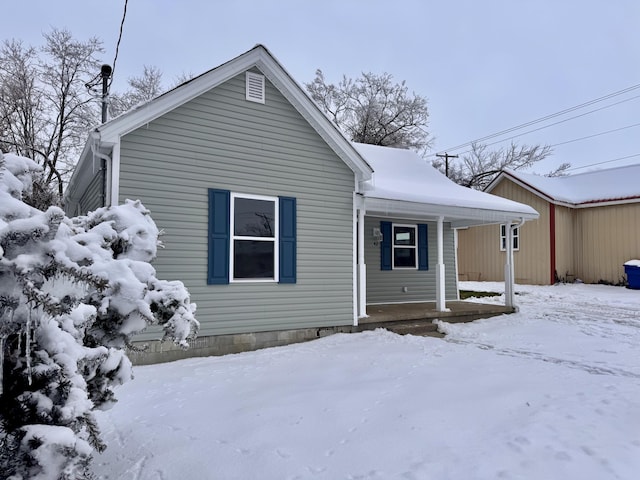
<point>109,133</point>
<point>589,189</point>
<point>406,184</point>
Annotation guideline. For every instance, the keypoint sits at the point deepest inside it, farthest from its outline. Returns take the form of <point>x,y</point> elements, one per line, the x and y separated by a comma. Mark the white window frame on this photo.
<point>503,238</point>
<point>275,239</point>
<point>393,245</point>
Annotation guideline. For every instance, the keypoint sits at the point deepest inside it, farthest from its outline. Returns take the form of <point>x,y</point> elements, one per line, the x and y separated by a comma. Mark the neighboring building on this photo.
<point>275,222</point>
<point>589,226</point>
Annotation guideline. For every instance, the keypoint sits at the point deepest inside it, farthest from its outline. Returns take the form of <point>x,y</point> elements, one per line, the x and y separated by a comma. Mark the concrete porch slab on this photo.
<point>417,318</point>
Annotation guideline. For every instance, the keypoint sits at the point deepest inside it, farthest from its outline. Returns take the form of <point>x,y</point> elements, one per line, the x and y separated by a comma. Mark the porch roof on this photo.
<point>405,185</point>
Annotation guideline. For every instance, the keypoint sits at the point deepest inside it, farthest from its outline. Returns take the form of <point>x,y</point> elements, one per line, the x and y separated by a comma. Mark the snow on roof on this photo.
<point>403,175</point>
<point>606,185</point>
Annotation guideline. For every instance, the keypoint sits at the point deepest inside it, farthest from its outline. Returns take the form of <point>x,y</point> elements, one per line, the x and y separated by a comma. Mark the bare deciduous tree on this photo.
<point>141,89</point>
<point>372,109</point>
<point>481,165</point>
<point>46,110</point>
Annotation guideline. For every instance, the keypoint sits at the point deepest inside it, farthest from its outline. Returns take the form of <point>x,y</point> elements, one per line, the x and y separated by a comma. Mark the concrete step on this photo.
<point>411,327</point>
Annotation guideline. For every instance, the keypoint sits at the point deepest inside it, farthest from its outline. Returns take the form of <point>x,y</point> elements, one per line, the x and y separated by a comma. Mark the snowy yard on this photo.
<point>552,392</point>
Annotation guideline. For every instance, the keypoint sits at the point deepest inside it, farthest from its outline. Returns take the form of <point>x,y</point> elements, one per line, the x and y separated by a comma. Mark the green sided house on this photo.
<point>279,226</point>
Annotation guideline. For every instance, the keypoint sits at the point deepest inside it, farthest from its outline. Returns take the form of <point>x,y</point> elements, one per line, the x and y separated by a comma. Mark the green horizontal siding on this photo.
<point>220,140</point>
<point>93,197</point>
<point>385,286</point>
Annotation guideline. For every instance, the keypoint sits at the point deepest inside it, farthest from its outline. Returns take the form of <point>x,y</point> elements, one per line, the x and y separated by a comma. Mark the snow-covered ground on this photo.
<point>552,392</point>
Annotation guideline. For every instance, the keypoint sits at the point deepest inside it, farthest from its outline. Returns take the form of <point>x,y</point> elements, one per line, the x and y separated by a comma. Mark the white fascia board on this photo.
<point>128,122</point>
<point>460,216</point>
<point>83,171</point>
<point>78,177</point>
<point>258,57</point>
<point>329,132</point>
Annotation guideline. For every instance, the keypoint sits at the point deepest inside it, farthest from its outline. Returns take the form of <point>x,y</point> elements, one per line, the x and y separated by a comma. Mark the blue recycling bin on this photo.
<point>632,269</point>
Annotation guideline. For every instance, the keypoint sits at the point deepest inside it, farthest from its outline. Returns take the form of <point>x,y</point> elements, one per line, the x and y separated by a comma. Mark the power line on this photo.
<point>555,123</point>
<point>595,135</point>
<point>547,117</point>
<point>606,161</point>
<point>115,58</point>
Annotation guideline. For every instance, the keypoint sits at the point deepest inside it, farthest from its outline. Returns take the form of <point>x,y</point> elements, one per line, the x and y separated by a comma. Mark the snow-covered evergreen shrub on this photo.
<point>72,293</point>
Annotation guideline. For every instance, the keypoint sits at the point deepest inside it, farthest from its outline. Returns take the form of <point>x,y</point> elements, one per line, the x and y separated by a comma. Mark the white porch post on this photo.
<point>362,268</point>
<point>508,266</point>
<point>440,274</point>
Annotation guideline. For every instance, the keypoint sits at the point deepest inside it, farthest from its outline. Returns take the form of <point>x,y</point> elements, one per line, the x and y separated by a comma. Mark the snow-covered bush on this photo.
<point>72,293</point>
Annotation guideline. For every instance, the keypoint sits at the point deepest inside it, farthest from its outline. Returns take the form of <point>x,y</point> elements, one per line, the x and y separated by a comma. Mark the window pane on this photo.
<point>253,259</point>
<point>404,257</point>
<point>254,218</point>
<point>404,236</point>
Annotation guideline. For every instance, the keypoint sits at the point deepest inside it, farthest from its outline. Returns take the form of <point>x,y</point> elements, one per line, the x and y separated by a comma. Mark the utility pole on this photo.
<point>105,73</point>
<point>446,157</point>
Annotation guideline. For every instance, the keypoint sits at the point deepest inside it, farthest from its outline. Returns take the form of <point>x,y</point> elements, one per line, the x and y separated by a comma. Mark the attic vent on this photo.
<point>255,87</point>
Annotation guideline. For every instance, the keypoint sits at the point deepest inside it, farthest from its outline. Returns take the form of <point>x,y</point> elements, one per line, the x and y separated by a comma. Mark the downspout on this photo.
<point>354,260</point>
<point>509,271</point>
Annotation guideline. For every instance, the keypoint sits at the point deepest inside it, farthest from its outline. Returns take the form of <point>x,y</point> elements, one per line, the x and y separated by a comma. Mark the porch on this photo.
<point>417,318</point>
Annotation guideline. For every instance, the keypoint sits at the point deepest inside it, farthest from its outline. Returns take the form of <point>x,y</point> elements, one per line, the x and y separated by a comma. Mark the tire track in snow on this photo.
<point>591,318</point>
<point>513,352</point>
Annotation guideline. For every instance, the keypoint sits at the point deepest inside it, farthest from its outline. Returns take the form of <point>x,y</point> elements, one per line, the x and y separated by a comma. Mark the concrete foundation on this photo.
<point>158,352</point>
<point>410,318</point>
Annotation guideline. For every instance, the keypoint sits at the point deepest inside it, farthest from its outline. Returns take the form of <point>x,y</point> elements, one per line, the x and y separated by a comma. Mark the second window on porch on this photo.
<point>405,249</point>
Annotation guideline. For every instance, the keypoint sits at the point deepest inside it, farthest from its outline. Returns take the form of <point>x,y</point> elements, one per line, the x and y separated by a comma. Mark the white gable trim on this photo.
<point>260,58</point>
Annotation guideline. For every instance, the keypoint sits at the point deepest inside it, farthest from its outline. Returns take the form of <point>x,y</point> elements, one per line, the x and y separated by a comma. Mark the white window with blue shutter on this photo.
<point>252,238</point>
<point>404,246</point>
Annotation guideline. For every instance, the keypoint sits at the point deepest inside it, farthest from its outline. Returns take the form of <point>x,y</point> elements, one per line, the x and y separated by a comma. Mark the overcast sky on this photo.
<point>484,65</point>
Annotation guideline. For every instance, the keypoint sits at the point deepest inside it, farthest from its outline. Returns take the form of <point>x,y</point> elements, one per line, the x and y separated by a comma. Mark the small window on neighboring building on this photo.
<point>255,87</point>
<point>503,238</point>
<point>405,249</point>
<point>254,237</point>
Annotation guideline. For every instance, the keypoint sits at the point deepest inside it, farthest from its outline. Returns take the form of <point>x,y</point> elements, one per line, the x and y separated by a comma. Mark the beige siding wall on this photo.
<point>220,140</point>
<point>591,244</point>
<point>606,237</point>
<point>479,255</point>
<point>565,243</point>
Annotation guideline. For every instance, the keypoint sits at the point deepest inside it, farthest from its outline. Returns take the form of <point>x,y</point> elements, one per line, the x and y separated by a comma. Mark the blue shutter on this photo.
<point>385,246</point>
<point>423,247</point>
<point>219,235</point>
<point>287,240</point>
